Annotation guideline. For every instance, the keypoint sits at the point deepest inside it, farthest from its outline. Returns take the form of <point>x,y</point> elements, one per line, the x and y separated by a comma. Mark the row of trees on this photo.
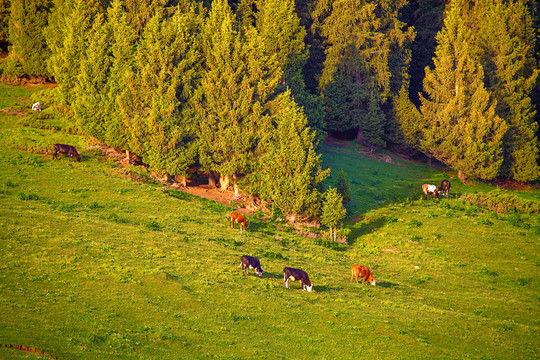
<point>246,89</point>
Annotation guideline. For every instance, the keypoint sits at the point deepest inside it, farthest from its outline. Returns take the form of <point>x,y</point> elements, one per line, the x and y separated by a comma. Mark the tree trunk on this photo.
<point>127,156</point>
<point>224,182</point>
<point>211,179</point>
<point>184,181</point>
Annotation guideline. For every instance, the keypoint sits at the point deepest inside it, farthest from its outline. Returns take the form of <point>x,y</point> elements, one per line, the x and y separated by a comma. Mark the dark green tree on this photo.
<point>343,188</point>
<point>461,128</point>
<point>506,42</point>
<point>363,39</point>
<point>5,6</point>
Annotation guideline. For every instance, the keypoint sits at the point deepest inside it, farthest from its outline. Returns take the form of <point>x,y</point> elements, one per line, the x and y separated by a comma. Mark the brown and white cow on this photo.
<point>430,189</point>
<point>69,150</point>
<point>296,275</point>
<point>363,272</point>
<point>250,262</point>
<point>239,219</point>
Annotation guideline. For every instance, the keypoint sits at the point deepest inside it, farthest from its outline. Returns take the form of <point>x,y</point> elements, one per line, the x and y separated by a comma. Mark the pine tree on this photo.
<point>5,6</point>
<point>89,95</point>
<point>506,41</point>
<point>364,41</point>
<point>290,173</point>
<point>461,128</point>
<point>333,212</point>
<point>29,50</point>
<point>238,78</point>
<point>159,88</point>
<point>71,23</point>
<point>343,188</point>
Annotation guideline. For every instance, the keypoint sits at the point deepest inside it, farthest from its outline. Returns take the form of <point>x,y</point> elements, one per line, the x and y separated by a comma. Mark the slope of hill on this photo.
<point>96,266</point>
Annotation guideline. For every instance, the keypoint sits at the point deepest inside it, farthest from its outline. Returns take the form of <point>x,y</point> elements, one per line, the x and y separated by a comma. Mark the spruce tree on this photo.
<point>29,51</point>
<point>333,212</point>
<point>71,23</point>
<point>238,78</point>
<point>290,171</point>
<point>89,95</point>
<point>461,128</point>
<point>506,41</point>
<point>343,188</point>
<point>364,40</point>
<point>156,102</point>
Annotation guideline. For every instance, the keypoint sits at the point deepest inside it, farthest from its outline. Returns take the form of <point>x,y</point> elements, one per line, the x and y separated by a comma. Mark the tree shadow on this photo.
<point>326,288</point>
<point>366,229</point>
<point>387,284</point>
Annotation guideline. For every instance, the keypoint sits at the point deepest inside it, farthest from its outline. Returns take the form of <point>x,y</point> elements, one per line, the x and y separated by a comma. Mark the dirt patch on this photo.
<point>509,184</point>
<point>14,112</point>
<point>30,349</point>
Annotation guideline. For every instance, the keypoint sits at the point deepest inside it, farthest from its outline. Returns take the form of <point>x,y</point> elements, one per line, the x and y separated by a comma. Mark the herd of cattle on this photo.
<point>250,262</point>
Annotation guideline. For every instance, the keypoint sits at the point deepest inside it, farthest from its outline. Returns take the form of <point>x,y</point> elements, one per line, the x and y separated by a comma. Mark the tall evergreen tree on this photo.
<point>290,171</point>
<point>461,128</point>
<point>102,77</point>
<point>71,23</point>
<point>363,39</point>
<point>159,88</point>
<point>238,77</point>
<point>89,95</point>
<point>506,41</point>
<point>5,6</point>
<point>29,49</point>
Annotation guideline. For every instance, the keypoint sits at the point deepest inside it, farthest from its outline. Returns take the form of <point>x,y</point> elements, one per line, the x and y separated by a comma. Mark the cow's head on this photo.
<point>309,287</point>
<point>259,271</point>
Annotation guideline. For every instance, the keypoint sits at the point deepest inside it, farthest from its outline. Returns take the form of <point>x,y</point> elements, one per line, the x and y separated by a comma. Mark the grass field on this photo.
<point>96,266</point>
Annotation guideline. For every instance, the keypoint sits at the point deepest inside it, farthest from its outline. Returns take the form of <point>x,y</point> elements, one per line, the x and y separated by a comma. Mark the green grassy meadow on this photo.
<point>96,266</point>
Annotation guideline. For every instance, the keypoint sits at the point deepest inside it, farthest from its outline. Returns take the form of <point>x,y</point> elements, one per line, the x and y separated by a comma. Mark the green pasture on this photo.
<point>96,266</point>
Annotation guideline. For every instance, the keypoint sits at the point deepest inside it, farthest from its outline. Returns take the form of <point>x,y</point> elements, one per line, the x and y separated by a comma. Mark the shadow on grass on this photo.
<point>366,228</point>
<point>271,275</point>
<point>326,288</point>
<point>387,285</point>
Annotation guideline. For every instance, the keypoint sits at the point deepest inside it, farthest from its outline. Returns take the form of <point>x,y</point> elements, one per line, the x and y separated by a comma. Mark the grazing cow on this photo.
<point>250,262</point>
<point>36,106</point>
<point>238,218</point>
<point>430,189</point>
<point>445,187</point>
<point>69,150</point>
<point>363,272</point>
<point>296,275</point>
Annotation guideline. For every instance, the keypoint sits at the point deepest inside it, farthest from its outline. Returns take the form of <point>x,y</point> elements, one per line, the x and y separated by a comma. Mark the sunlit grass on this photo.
<point>97,266</point>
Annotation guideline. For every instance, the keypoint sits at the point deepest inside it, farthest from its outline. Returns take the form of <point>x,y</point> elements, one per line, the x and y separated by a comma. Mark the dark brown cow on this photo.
<point>69,150</point>
<point>445,187</point>
<point>250,262</point>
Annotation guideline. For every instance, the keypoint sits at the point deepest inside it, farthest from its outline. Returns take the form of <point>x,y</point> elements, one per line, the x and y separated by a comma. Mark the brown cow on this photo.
<point>430,189</point>
<point>238,218</point>
<point>69,150</point>
<point>363,272</point>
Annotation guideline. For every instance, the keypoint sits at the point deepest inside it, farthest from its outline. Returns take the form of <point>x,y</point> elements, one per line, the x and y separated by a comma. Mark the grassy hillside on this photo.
<point>96,266</point>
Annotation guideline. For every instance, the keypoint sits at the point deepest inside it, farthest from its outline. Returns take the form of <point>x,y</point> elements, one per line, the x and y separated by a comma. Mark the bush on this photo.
<point>502,202</point>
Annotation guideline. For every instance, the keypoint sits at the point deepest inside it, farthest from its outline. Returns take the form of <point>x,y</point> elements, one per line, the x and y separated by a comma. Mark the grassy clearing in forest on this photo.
<point>96,266</point>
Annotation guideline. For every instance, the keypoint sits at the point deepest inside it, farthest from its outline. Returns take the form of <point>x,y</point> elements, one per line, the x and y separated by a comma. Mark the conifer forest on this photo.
<point>246,90</point>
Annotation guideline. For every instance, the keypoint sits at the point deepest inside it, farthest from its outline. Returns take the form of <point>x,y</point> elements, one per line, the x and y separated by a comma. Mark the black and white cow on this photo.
<point>296,275</point>
<point>250,262</point>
